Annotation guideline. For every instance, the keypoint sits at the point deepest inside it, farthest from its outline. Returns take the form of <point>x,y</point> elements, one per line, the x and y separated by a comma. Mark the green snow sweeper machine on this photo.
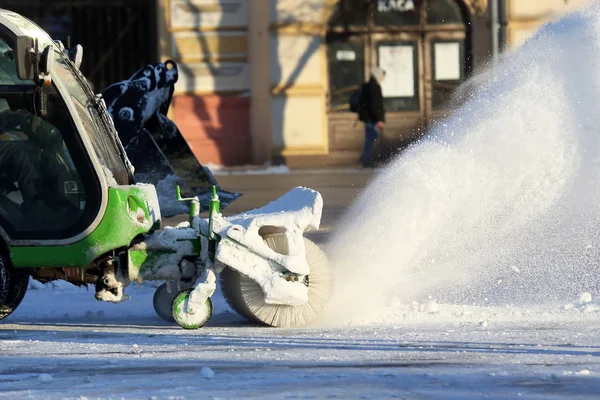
<point>71,209</point>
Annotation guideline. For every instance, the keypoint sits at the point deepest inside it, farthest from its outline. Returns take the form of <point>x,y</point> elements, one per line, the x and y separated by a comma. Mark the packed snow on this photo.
<point>110,178</point>
<point>174,243</point>
<point>167,198</point>
<point>62,344</point>
<point>297,211</point>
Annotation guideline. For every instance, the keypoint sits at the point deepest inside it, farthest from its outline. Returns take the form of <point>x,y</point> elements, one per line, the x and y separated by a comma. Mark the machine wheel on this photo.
<point>3,278</point>
<point>13,283</point>
<point>18,282</point>
<point>162,302</point>
<point>190,320</point>
<point>246,297</point>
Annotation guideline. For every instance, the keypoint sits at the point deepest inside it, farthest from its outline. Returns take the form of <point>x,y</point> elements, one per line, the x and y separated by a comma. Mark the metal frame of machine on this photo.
<point>263,249</point>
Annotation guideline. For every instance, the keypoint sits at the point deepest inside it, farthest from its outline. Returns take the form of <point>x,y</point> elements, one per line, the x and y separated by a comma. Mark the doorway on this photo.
<point>424,46</point>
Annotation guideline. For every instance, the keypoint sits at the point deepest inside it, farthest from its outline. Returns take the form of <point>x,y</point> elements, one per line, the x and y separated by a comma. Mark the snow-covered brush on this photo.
<point>247,298</point>
<point>285,279</point>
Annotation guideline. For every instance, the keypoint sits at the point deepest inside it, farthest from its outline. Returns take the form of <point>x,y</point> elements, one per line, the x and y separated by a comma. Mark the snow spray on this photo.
<point>497,204</point>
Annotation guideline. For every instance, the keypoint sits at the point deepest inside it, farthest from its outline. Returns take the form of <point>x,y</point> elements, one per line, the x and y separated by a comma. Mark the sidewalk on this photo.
<point>338,186</point>
<point>219,170</point>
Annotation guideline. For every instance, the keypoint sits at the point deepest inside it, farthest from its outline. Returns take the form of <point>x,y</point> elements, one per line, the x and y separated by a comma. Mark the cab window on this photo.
<point>47,187</point>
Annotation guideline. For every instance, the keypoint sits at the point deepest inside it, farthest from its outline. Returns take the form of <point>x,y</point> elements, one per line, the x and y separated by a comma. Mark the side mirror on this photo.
<point>76,55</point>
<point>47,60</point>
<point>24,55</point>
<point>31,64</point>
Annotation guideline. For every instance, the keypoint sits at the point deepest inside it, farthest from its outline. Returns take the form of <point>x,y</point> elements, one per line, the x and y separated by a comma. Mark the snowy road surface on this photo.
<point>62,343</point>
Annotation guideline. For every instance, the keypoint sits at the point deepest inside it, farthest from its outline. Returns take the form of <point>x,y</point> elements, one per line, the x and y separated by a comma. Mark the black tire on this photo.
<point>17,287</point>
<point>163,301</point>
<point>4,265</point>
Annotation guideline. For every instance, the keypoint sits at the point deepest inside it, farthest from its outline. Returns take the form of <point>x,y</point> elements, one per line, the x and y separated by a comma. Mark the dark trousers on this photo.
<point>371,136</point>
<point>16,165</point>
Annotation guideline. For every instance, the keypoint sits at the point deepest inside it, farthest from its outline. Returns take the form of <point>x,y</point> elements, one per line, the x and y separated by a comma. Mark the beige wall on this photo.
<point>208,39</point>
<point>298,77</point>
<point>294,11</point>
<point>296,60</point>
<point>192,14</point>
<point>300,119</point>
<point>525,17</point>
<point>213,77</point>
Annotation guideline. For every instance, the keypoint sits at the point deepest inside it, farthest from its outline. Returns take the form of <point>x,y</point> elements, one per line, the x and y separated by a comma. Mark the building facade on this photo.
<point>269,80</point>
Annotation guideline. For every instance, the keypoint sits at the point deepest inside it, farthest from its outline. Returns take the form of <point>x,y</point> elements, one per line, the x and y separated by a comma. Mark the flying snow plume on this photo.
<point>499,203</point>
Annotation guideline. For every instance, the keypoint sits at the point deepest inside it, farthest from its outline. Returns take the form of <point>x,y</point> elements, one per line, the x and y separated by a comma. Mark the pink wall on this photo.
<point>217,128</point>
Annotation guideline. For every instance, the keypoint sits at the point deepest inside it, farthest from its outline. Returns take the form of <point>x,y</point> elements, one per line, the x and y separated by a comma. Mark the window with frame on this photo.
<point>400,87</point>
<point>389,33</point>
<point>346,66</point>
<point>447,71</point>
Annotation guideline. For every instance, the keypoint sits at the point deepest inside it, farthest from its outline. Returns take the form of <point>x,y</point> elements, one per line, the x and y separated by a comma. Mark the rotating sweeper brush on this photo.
<point>247,298</point>
<point>70,207</point>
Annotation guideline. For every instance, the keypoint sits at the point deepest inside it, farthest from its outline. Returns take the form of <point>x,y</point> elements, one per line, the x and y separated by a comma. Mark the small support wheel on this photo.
<point>162,302</point>
<point>191,316</point>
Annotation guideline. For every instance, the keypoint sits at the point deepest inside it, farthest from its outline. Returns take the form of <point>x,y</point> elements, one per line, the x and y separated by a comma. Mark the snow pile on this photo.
<point>45,378</point>
<point>500,203</point>
<point>174,243</point>
<point>110,178</point>
<point>59,285</point>
<point>207,372</point>
<point>167,197</point>
<point>293,213</point>
<point>585,304</point>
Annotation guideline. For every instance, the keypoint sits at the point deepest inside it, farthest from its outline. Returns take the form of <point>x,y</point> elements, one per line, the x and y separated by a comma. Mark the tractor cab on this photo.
<point>59,151</point>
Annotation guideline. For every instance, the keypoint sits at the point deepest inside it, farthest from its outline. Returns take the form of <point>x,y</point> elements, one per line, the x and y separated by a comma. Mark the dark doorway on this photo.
<point>118,36</point>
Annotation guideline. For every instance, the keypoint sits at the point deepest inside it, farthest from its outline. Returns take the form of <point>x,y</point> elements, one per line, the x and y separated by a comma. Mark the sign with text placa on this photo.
<point>209,13</point>
<point>447,61</point>
<point>395,5</point>
<point>399,64</point>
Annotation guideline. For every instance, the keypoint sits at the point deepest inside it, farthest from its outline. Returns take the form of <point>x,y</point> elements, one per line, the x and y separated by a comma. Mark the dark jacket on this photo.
<point>371,108</point>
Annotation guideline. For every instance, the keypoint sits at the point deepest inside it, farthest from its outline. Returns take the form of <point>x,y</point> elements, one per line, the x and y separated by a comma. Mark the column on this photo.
<point>260,95</point>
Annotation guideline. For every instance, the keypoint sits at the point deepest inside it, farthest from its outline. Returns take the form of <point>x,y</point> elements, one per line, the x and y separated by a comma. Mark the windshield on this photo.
<point>94,119</point>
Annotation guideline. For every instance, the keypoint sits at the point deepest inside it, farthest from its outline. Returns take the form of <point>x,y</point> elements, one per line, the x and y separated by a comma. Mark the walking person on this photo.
<point>371,111</point>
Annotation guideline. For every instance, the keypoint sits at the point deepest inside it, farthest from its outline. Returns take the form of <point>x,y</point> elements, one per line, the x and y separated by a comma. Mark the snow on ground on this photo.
<point>217,169</point>
<point>63,344</point>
